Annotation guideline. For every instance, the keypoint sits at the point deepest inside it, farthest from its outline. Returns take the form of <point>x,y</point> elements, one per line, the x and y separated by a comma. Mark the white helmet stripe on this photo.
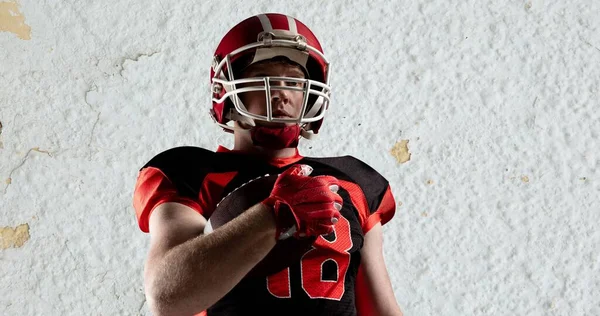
<point>292,25</point>
<point>266,23</point>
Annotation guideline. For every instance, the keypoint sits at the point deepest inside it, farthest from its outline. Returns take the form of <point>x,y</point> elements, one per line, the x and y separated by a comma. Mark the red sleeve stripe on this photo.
<point>385,211</point>
<point>152,189</point>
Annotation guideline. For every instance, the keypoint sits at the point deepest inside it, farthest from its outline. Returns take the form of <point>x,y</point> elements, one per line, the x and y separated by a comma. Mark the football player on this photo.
<point>269,87</point>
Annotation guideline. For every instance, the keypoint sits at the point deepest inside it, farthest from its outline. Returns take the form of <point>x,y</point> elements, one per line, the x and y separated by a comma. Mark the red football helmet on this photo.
<point>260,38</point>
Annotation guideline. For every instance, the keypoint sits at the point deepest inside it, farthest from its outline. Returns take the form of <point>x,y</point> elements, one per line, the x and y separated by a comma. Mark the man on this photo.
<point>270,80</point>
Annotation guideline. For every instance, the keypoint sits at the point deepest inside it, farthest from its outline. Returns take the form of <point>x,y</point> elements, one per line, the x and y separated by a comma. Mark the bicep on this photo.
<point>375,295</point>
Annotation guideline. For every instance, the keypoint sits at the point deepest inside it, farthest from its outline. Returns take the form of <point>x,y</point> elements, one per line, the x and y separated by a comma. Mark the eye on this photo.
<point>294,83</point>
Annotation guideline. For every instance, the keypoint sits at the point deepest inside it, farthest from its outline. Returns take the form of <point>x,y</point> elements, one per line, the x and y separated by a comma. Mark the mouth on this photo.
<point>281,114</point>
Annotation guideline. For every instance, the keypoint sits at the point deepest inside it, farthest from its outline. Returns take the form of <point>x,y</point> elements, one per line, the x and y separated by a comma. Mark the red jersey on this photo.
<point>323,281</point>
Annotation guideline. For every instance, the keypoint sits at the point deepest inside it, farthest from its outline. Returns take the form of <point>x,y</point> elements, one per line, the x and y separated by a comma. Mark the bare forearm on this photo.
<point>194,275</point>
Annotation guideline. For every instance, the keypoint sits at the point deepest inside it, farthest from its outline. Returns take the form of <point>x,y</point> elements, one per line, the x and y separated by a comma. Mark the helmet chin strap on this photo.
<point>272,137</point>
<point>275,137</point>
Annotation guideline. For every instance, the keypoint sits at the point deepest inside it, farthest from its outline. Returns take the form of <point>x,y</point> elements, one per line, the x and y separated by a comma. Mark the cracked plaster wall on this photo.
<point>483,115</point>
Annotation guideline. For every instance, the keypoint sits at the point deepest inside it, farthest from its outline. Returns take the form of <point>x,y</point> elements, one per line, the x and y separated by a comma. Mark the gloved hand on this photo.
<point>303,205</point>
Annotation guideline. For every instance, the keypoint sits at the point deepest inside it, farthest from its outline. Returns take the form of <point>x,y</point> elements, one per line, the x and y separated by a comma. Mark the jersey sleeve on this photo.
<point>381,205</point>
<point>152,189</point>
<point>370,193</point>
<point>384,211</point>
<point>174,175</point>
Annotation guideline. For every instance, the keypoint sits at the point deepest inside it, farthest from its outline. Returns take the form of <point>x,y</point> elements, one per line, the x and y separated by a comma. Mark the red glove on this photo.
<point>308,205</point>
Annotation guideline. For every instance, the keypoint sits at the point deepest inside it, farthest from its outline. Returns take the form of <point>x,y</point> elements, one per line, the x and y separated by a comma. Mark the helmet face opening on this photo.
<point>256,43</point>
<point>245,88</point>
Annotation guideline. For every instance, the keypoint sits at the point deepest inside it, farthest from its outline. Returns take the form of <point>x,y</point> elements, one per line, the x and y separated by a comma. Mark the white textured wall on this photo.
<point>484,116</point>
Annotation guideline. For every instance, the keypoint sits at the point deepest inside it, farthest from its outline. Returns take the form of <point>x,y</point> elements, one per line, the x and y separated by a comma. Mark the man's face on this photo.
<point>284,103</point>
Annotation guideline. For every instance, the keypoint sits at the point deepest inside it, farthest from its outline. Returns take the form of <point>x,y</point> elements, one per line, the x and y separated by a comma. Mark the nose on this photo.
<point>279,96</point>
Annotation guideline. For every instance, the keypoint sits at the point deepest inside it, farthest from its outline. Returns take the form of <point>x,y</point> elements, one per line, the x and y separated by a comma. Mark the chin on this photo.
<point>273,124</point>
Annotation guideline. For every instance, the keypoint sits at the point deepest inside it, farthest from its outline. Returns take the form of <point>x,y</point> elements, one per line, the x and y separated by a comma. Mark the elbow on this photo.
<point>162,302</point>
<point>159,302</point>
<point>156,308</point>
<point>160,305</point>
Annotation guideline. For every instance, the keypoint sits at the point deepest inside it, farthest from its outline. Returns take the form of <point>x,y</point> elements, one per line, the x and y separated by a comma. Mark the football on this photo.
<point>285,252</point>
